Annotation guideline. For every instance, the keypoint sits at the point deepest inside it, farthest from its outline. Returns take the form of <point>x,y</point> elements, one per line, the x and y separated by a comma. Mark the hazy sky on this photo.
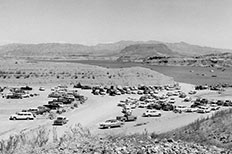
<point>203,22</point>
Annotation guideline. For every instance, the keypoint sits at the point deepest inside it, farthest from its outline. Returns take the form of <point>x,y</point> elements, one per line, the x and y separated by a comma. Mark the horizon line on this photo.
<point>107,43</point>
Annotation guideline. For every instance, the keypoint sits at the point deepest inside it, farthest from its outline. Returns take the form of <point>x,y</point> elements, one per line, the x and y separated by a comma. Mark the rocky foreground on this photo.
<point>79,140</point>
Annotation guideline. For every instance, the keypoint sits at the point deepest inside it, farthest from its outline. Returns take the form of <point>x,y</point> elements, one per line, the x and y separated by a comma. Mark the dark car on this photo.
<point>60,120</point>
<point>14,96</point>
<point>26,88</point>
<point>156,106</point>
<point>42,110</point>
<point>126,118</point>
<point>52,106</point>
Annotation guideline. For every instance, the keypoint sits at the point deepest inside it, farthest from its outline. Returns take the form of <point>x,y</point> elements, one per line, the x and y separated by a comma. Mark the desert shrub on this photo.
<point>25,142</point>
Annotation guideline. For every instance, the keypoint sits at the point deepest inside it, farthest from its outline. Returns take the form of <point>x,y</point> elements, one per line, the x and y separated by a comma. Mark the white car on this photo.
<point>214,107</point>
<point>41,89</point>
<point>142,104</point>
<point>111,123</point>
<point>131,106</point>
<point>22,116</point>
<point>152,113</point>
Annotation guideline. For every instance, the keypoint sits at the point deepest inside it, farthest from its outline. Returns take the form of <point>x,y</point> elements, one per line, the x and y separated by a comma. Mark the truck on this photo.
<point>126,118</point>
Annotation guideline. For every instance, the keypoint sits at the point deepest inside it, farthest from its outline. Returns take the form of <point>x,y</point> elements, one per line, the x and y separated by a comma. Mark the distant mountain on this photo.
<point>143,51</point>
<point>66,50</point>
<point>192,50</point>
<point>45,49</point>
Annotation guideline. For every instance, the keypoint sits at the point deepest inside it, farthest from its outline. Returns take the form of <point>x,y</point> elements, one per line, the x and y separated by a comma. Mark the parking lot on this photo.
<point>97,109</point>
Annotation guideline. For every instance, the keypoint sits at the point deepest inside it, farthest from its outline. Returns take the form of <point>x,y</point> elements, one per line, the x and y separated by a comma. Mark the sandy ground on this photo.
<point>23,72</point>
<point>98,109</point>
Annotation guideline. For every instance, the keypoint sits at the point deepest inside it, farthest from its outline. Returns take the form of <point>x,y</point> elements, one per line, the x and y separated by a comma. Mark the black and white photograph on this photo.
<point>115,76</point>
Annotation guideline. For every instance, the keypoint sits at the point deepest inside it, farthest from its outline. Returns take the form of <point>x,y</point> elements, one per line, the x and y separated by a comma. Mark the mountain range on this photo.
<point>118,49</point>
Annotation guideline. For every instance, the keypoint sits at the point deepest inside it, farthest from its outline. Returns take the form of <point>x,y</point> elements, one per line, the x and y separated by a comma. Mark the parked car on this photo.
<point>182,95</point>
<point>26,88</point>
<point>192,92</point>
<point>156,106</point>
<point>187,99</point>
<point>177,110</point>
<point>169,93</point>
<point>142,105</point>
<point>227,103</point>
<point>42,110</point>
<point>152,113</point>
<point>132,105</point>
<point>172,100</point>
<point>33,110</point>
<point>14,96</point>
<point>22,116</point>
<point>41,89</point>
<point>126,118</point>
<point>127,110</point>
<point>60,120</point>
<point>220,102</point>
<point>111,123</point>
<point>190,110</point>
<point>203,109</point>
<point>121,103</point>
<point>214,107</point>
<point>25,96</point>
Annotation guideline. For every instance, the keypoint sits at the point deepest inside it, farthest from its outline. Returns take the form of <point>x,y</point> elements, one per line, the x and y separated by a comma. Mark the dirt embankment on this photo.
<point>40,73</point>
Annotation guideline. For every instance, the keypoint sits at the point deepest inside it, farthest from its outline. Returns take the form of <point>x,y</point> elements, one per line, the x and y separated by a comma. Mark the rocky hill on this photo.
<point>78,51</point>
<point>215,130</point>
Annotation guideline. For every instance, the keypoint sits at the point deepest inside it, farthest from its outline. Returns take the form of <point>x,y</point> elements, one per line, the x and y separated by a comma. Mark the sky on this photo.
<point>89,22</point>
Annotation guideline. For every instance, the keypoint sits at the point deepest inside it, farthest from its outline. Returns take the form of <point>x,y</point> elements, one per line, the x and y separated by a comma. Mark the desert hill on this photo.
<point>75,51</point>
<point>215,130</point>
<point>26,72</point>
<point>144,51</point>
